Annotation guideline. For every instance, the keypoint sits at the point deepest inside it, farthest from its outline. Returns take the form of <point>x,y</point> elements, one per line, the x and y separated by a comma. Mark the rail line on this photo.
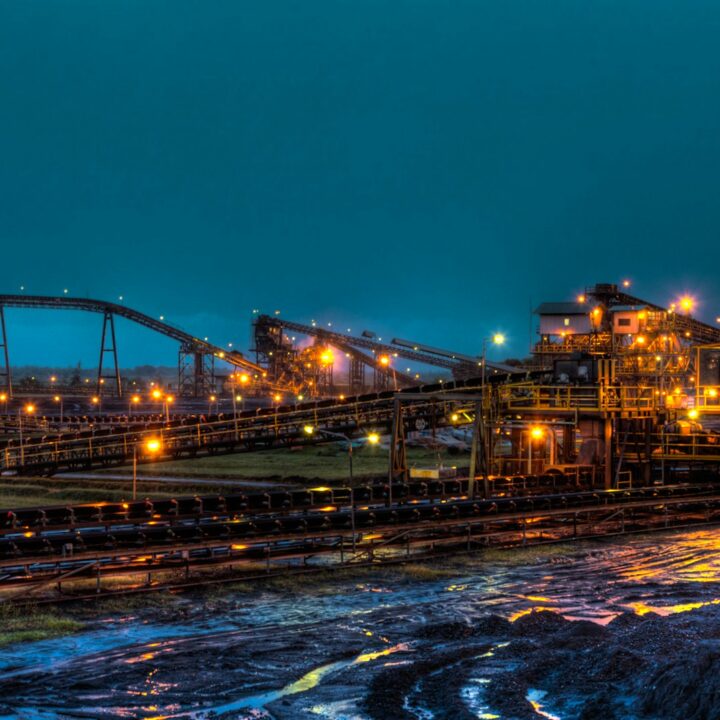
<point>294,542</point>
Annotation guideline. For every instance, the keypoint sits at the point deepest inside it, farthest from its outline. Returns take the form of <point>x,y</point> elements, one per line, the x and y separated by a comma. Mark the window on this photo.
<point>566,322</point>
<point>623,322</point>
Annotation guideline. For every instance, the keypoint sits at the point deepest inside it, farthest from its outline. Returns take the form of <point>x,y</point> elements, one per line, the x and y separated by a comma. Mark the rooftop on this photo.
<point>561,308</point>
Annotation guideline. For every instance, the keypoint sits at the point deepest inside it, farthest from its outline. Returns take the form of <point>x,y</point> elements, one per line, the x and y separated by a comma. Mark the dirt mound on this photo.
<point>628,620</point>
<point>538,622</point>
<point>446,631</point>
<point>617,664</point>
<point>686,686</point>
<point>601,707</point>
<point>492,625</point>
<point>579,634</point>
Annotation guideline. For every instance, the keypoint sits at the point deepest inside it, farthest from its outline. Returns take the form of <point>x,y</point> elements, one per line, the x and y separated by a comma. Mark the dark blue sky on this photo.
<point>427,169</point>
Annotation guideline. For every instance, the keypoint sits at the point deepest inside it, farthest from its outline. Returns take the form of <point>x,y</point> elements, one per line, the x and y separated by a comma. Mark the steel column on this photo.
<point>6,370</point>
<point>108,320</point>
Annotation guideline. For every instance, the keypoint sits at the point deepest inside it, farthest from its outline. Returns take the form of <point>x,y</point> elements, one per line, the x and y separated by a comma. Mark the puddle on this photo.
<point>535,698</point>
<point>135,667</point>
<point>307,682</point>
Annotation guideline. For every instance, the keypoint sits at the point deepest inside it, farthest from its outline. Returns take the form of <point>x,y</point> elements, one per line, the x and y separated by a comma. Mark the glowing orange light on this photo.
<point>384,360</point>
<point>153,445</point>
<point>536,432</point>
<point>156,394</point>
<point>687,303</point>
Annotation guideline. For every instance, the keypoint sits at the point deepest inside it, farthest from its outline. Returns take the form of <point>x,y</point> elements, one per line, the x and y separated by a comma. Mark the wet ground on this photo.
<point>626,629</point>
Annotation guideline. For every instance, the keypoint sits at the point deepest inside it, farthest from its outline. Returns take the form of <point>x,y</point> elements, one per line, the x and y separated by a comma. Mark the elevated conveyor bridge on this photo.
<point>197,356</point>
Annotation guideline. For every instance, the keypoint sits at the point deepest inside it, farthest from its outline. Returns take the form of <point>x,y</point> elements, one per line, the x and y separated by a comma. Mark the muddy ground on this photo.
<point>627,630</point>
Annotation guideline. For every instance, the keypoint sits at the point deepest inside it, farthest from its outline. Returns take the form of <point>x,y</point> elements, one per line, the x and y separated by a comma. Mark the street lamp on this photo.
<point>152,447</point>
<point>169,400</point>
<point>4,399</point>
<point>134,400</point>
<point>95,400</point>
<point>536,432</point>
<point>385,362</point>
<point>495,339</point>
<point>29,409</point>
<point>212,399</point>
<point>58,399</point>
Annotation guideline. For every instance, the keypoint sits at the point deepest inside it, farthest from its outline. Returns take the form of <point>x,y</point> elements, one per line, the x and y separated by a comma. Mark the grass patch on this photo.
<point>421,573</point>
<point>323,463</point>
<point>27,625</point>
<point>303,466</point>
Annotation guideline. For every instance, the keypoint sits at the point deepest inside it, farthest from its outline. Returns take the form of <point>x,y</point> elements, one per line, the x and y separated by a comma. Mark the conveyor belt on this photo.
<point>49,302</point>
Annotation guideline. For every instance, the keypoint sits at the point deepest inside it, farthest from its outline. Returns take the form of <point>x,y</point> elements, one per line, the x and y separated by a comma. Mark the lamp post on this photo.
<point>157,394</point>
<point>534,433</point>
<point>4,400</point>
<point>495,339</point>
<point>236,399</point>
<point>59,399</point>
<point>29,409</point>
<point>169,400</point>
<point>134,400</point>
<point>386,363</point>
<point>152,447</point>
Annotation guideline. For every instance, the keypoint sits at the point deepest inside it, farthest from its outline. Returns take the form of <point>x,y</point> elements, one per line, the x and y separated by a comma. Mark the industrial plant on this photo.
<point>608,426</point>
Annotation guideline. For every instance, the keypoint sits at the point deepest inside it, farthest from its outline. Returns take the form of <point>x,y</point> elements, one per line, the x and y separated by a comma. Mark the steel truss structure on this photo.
<point>197,357</point>
<point>276,351</point>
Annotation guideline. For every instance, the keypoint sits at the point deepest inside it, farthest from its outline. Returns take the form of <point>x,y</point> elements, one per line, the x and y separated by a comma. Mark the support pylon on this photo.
<point>108,345</point>
<point>5,369</point>
<point>398,457</point>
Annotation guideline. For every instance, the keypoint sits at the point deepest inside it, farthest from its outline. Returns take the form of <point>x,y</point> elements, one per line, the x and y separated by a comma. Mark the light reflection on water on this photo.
<point>596,581</point>
<point>535,697</point>
<point>307,682</point>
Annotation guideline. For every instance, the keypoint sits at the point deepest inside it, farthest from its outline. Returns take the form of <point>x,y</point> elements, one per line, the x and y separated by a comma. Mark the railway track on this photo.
<point>243,543</point>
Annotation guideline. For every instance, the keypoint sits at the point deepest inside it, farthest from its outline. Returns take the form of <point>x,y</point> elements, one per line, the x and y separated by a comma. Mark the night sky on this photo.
<point>428,169</point>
